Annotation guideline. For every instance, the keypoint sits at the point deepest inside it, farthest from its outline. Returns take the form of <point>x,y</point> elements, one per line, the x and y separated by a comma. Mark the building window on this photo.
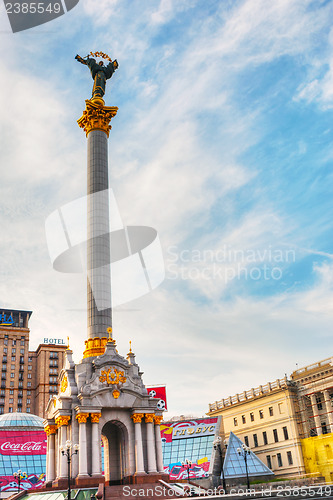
<point>246,440</point>
<point>29,375</point>
<point>269,461</point>
<point>12,367</point>
<point>243,419</point>
<point>10,409</point>
<point>285,432</point>
<point>5,342</point>
<point>4,368</point>
<point>324,428</point>
<point>252,417</point>
<point>28,393</point>
<point>12,375</point>
<point>275,434</point>
<point>13,358</point>
<point>290,458</point>
<point>255,440</point>
<point>29,367</point>
<point>264,436</point>
<point>5,350</point>
<point>21,384</point>
<point>28,384</point>
<point>30,358</point>
<point>11,391</point>
<point>1,409</point>
<point>28,401</point>
<point>14,342</point>
<point>22,342</point>
<point>19,409</point>
<point>235,419</point>
<point>28,410</point>
<point>14,350</point>
<point>12,383</point>
<point>3,393</point>
<point>270,409</point>
<point>261,414</point>
<point>318,401</point>
<point>279,459</point>
<point>11,401</point>
<point>21,351</point>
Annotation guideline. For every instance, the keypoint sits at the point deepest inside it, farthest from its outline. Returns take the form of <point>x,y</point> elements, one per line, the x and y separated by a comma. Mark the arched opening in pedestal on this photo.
<point>115,442</point>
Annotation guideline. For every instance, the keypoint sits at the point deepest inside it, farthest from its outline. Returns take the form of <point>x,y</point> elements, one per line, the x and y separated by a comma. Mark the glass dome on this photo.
<point>20,420</point>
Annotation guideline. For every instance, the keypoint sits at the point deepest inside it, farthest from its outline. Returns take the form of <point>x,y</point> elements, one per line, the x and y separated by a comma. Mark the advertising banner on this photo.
<point>188,429</point>
<point>22,443</point>
<point>159,393</point>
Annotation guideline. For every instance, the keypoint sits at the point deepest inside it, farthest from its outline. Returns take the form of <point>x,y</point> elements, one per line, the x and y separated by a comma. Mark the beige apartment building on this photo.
<point>267,419</point>
<point>28,378</point>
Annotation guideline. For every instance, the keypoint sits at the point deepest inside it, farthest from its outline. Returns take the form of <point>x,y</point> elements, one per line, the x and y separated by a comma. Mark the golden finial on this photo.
<point>109,330</point>
<point>130,343</point>
<point>67,344</point>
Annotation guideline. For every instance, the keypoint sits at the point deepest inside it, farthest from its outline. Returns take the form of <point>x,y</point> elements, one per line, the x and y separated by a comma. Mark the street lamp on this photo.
<point>187,464</point>
<point>217,446</point>
<point>244,451</point>
<point>66,450</point>
<point>19,475</point>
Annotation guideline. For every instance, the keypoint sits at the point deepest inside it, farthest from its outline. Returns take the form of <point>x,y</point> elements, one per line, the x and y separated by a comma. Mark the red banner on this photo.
<point>22,443</point>
<point>158,393</point>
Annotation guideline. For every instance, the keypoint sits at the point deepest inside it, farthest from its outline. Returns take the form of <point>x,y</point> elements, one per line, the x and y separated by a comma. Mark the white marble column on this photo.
<point>315,414</point>
<point>329,409</point>
<point>62,458</point>
<point>96,445</point>
<point>149,419</point>
<point>83,463</point>
<point>158,445</point>
<point>50,462</point>
<point>139,463</point>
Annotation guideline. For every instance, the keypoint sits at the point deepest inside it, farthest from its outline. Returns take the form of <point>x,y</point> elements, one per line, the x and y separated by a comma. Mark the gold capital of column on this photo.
<point>158,419</point>
<point>50,429</point>
<point>137,417</point>
<point>94,417</point>
<point>82,417</point>
<point>96,116</point>
<point>62,420</point>
<point>149,418</point>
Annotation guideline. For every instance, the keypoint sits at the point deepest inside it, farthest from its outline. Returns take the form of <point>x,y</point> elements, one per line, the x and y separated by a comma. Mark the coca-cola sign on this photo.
<point>22,443</point>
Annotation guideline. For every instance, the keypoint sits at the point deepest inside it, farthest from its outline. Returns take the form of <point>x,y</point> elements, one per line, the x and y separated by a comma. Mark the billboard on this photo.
<point>23,450</point>
<point>159,393</point>
<point>188,440</point>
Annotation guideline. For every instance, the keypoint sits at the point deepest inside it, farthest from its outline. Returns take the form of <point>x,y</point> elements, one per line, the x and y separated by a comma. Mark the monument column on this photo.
<point>83,464</point>
<point>95,445</point>
<point>139,463</point>
<point>96,123</point>
<point>149,419</point>
<point>62,423</point>
<point>50,457</point>
<point>158,444</point>
<point>315,414</point>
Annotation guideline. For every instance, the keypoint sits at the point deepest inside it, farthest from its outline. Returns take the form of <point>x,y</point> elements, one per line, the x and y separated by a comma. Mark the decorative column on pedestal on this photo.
<point>315,414</point>
<point>83,463</point>
<point>96,124</point>
<point>158,444</point>
<point>95,445</point>
<point>62,423</point>
<point>139,463</point>
<point>329,409</point>
<point>50,457</point>
<point>149,419</point>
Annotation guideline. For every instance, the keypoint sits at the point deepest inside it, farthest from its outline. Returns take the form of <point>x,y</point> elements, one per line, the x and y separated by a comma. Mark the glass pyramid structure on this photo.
<point>234,465</point>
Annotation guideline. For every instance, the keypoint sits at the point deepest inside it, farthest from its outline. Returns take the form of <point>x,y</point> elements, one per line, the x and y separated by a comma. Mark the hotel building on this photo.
<point>28,378</point>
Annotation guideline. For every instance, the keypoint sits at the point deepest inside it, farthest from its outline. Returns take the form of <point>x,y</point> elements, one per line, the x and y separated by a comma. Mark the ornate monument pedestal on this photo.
<point>103,399</point>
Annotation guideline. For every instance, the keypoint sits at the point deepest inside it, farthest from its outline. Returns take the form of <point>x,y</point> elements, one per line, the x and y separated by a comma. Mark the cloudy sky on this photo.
<point>222,143</point>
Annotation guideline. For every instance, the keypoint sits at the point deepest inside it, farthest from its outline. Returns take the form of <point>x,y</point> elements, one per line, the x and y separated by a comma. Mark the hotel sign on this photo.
<point>54,341</point>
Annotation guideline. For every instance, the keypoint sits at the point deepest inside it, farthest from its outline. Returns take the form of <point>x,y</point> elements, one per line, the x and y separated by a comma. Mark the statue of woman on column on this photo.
<point>99,72</point>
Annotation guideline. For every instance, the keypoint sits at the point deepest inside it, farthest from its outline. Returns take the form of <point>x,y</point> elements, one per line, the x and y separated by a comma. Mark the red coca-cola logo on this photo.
<point>22,447</point>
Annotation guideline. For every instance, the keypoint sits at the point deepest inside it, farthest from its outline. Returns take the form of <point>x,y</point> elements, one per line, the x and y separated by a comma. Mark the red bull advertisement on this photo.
<point>190,440</point>
<point>23,450</point>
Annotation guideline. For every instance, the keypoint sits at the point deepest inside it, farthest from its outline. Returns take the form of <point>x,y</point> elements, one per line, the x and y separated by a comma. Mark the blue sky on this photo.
<point>222,142</point>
